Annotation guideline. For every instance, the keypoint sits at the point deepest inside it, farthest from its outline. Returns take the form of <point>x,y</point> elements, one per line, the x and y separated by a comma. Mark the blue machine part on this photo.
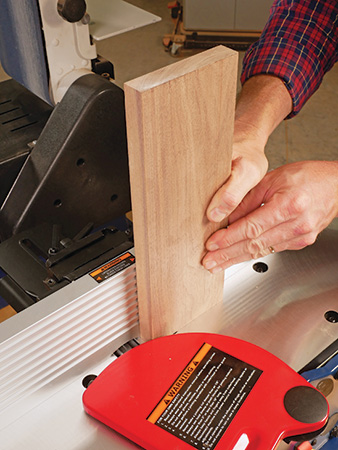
<point>3,302</point>
<point>331,444</point>
<point>22,52</point>
<point>329,440</point>
<point>330,368</point>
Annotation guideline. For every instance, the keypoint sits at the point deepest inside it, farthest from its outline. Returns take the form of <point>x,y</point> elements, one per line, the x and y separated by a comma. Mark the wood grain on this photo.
<point>179,127</point>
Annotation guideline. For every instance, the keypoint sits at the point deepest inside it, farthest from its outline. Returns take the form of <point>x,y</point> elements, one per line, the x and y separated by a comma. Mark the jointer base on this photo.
<point>282,309</point>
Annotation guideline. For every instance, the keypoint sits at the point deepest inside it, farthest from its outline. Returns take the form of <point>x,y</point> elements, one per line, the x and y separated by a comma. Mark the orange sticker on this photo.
<point>113,267</point>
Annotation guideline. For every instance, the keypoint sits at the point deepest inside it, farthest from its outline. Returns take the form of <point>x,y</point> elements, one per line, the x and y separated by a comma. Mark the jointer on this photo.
<point>284,303</point>
<point>80,313</point>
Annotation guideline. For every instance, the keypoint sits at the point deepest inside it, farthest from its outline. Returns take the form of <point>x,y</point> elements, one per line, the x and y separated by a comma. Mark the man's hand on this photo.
<point>249,165</point>
<point>286,210</point>
<point>264,102</point>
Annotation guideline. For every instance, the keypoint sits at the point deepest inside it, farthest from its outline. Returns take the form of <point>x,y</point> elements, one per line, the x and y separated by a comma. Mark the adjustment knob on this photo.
<point>306,404</point>
<point>72,10</point>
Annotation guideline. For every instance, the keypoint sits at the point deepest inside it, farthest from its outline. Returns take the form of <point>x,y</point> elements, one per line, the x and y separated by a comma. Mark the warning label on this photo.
<point>112,267</point>
<point>205,398</point>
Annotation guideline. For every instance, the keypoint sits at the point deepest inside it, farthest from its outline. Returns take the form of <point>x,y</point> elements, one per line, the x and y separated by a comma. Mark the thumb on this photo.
<point>245,175</point>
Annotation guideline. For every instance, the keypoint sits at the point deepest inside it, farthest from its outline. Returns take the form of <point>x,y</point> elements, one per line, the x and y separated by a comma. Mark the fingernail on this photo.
<point>217,269</point>
<point>210,264</point>
<point>217,215</point>
<point>212,247</point>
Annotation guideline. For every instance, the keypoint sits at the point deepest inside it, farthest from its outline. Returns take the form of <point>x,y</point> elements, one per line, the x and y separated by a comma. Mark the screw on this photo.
<point>334,432</point>
<point>50,282</point>
<point>31,145</point>
<point>85,19</point>
<point>88,380</point>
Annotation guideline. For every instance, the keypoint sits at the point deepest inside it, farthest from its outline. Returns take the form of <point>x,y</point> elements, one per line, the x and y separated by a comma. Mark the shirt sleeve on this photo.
<point>299,44</point>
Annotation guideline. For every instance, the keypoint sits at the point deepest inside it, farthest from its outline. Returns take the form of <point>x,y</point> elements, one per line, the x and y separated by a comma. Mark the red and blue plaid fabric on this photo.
<point>299,44</point>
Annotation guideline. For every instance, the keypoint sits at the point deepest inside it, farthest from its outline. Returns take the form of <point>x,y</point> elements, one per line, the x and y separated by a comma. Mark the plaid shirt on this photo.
<point>299,44</point>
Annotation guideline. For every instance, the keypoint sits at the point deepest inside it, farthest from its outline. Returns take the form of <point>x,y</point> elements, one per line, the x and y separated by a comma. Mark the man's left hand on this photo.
<point>285,211</point>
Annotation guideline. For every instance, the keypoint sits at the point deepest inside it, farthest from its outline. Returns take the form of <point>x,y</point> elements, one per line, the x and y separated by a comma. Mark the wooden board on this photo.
<point>180,127</point>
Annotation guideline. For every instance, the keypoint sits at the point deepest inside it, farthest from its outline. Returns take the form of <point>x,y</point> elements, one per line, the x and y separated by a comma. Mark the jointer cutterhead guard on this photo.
<point>205,391</point>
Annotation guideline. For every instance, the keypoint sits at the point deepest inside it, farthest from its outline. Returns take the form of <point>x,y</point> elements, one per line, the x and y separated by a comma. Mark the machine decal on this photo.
<point>113,267</point>
<point>205,398</point>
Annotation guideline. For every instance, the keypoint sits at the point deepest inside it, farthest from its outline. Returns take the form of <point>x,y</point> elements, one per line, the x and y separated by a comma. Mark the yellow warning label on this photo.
<point>179,383</point>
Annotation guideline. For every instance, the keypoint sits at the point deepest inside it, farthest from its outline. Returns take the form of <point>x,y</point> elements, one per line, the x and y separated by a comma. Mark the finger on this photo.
<point>296,243</point>
<point>279,238</point>
<point>226,264</point>
<point>251,226</point>
<point>252,201</point>
<point>241,251</point>
<point>244,176</point>
<point>220,260</point>
<point>229,240</point>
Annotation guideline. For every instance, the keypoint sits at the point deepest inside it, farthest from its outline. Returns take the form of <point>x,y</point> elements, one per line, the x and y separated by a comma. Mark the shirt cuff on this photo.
<point>290,62</point>
<point>298,45</point>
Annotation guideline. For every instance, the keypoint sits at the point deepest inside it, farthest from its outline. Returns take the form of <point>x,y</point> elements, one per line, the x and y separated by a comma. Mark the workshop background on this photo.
<point>311,135</point>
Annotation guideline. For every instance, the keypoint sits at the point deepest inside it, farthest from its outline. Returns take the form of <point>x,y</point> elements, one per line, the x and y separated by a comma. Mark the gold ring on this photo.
<point>271,249</point>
